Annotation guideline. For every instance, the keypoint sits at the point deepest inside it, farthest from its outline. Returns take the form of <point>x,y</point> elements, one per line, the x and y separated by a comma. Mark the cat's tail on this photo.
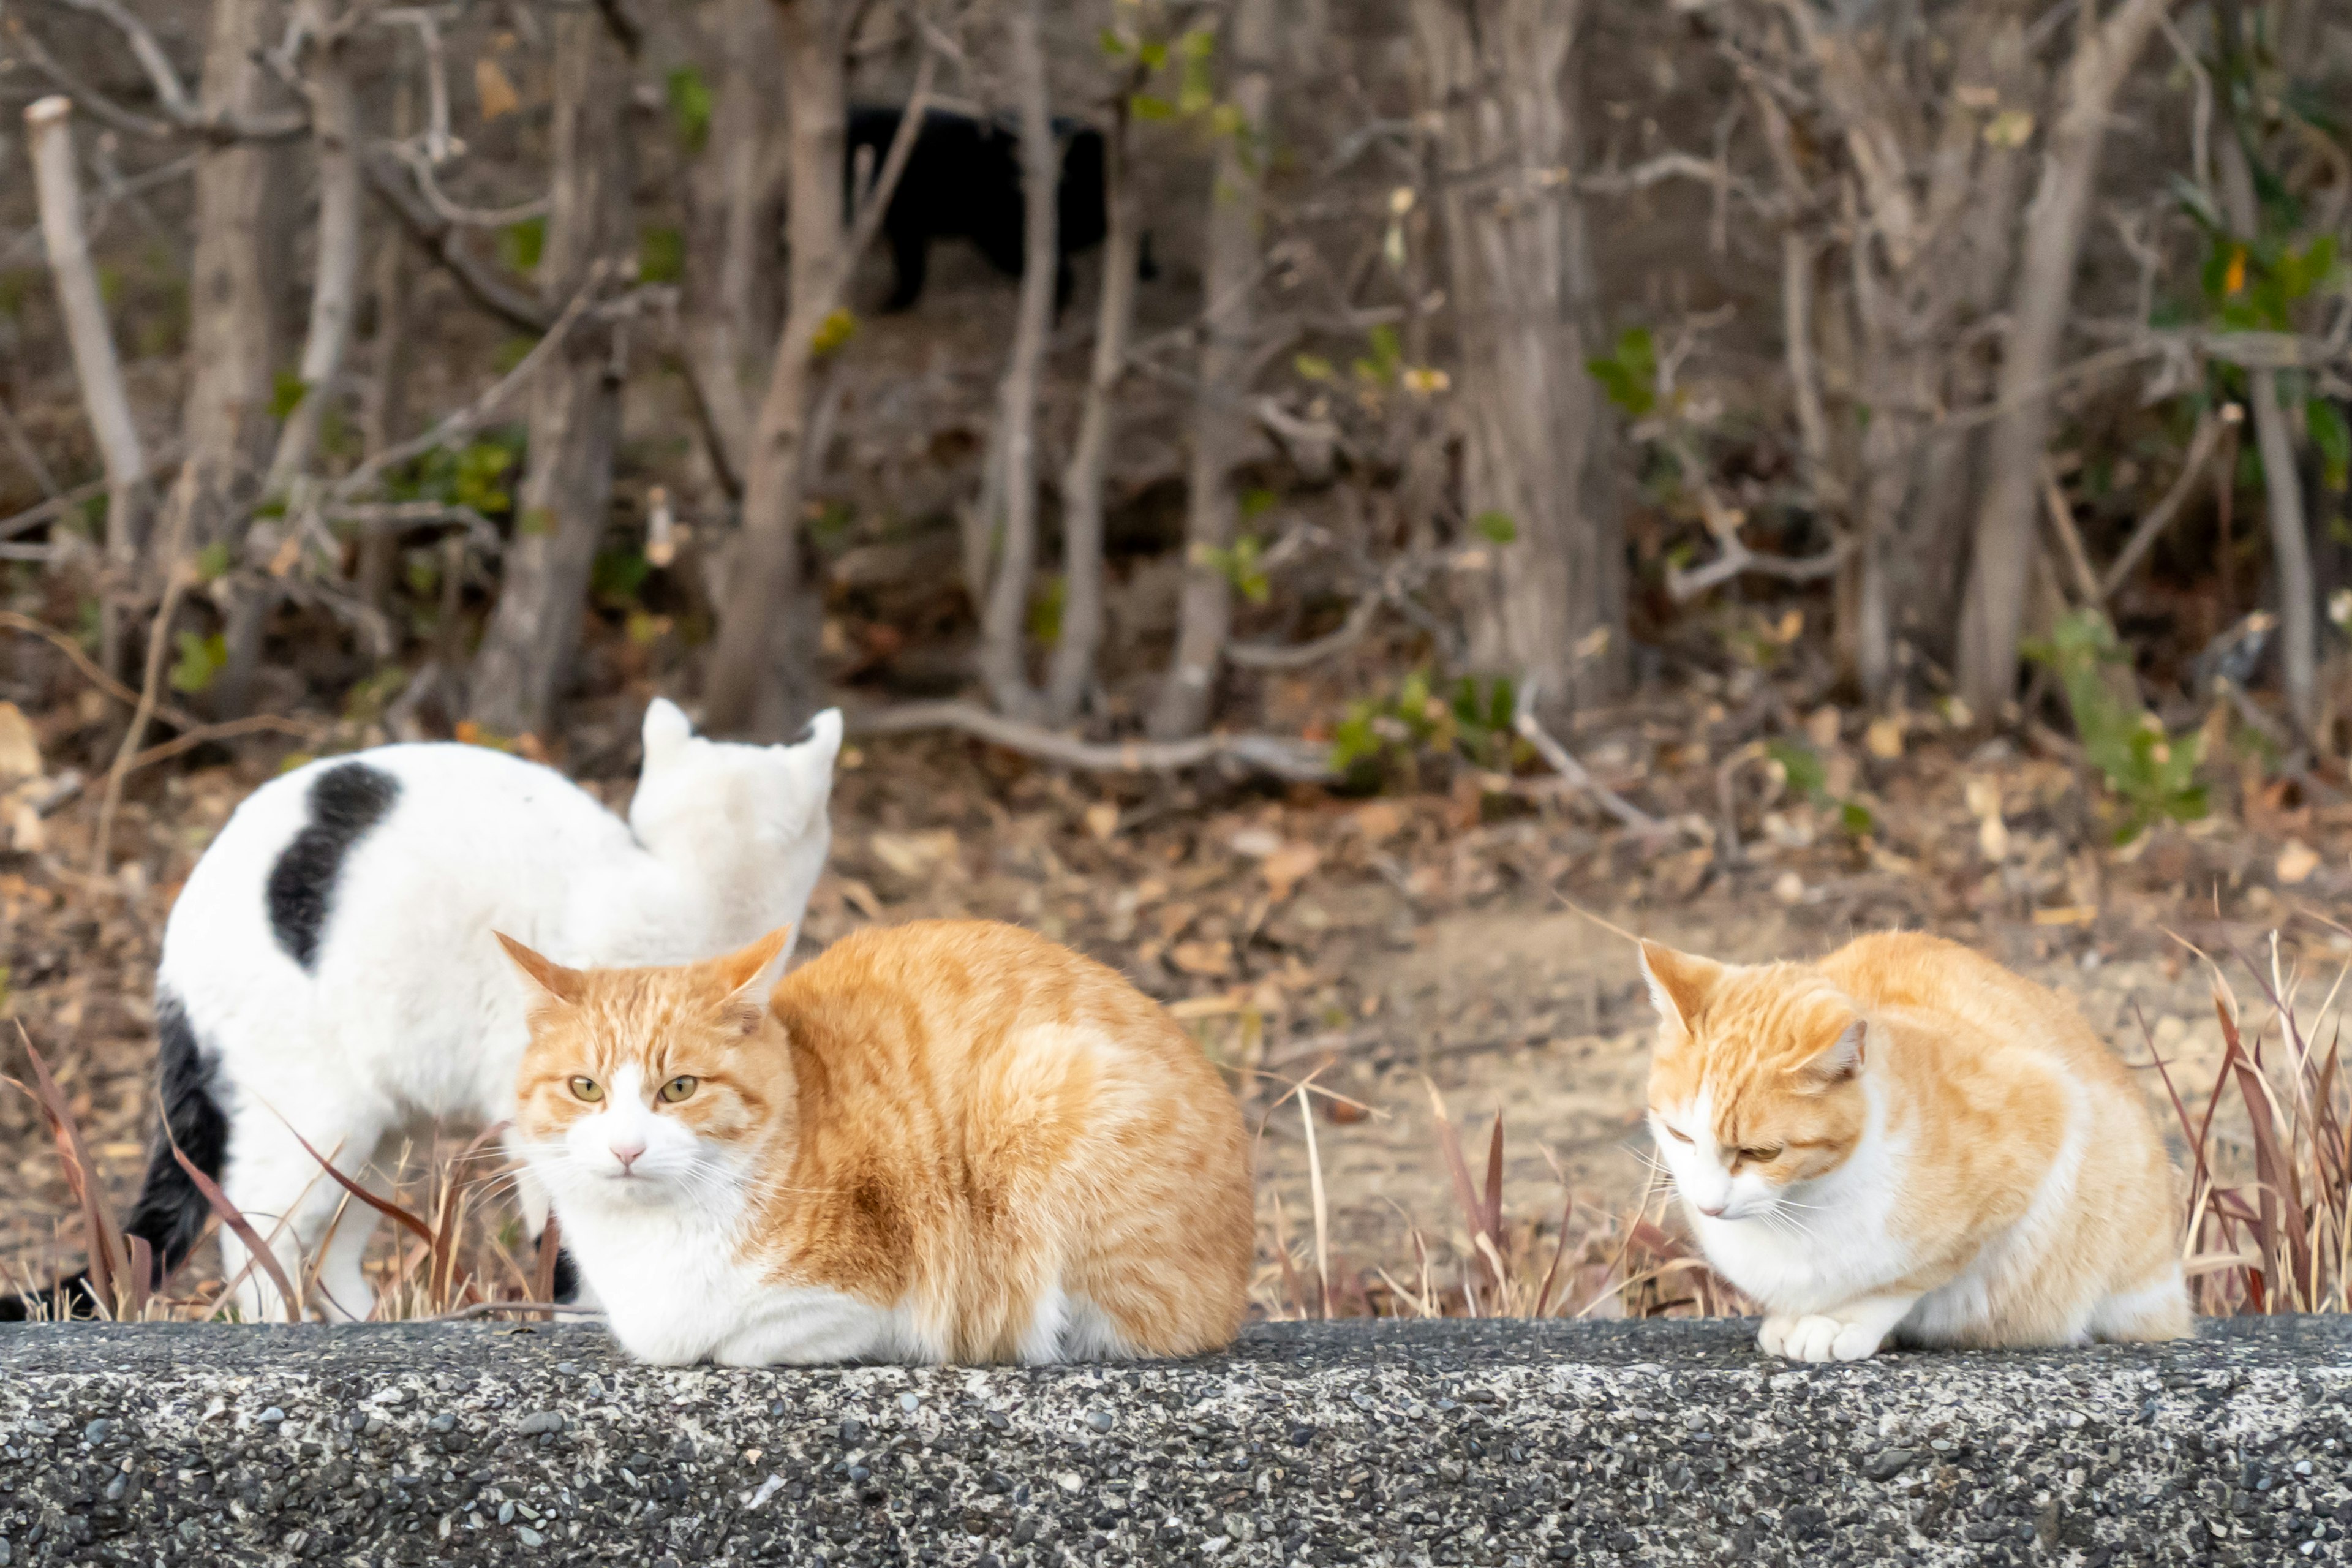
<point>170,1213</point>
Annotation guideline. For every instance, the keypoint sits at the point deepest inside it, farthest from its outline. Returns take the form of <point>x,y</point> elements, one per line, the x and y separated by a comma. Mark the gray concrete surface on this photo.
<point>1439,1442</point>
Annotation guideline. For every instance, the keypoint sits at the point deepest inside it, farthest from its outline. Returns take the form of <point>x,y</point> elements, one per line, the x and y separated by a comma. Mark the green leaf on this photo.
<point>1628,374</point>
<point>1497,527</point>
<point>200,663</point>
<point>1046,608</point>
<point>615,577</point>
<point>1855,819</point>
<point>1257,501</point>
<point>212,562</point>
<point>520,244</point>
<point>1145,106</point>
<point>834,332</point>
<point>1805,772</point>
<point>287,391</point>
<point>1312,367</point>
<point>2332,438</point>
<point>691,104</point>
<point>661,255</point>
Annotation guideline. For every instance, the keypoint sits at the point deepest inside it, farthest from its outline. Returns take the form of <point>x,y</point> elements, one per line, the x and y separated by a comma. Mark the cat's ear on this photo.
<point>1840,1061</point>
<point>749,973</point>
<point>1679,982</point>
<point>819,740</point>
<point>552,980</point>
<point>666,731</point>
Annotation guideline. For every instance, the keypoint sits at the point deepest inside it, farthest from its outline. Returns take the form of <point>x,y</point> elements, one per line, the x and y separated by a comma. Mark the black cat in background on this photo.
<point>964,179</point>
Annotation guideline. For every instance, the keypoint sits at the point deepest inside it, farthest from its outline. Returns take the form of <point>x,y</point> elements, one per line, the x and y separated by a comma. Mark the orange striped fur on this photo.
<point>1905,1139</point>
<point>991,1147</point>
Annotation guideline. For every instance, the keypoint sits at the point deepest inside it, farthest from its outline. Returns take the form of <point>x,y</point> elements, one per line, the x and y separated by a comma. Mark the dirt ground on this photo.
<point>1397,945</point>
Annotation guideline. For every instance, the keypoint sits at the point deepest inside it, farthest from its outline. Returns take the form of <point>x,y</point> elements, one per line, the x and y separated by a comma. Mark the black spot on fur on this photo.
<point>567,1276</point>
<point>171,1213</point>
<point>963,181</point>
<point>345,802</point>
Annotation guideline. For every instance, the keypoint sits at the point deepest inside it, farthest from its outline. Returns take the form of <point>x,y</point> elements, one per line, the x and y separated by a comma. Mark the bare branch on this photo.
<point>1275,755</point>
<point>159,642</point>
<point>1298,655</point>
<point>1737,558</point>
<point>445,242</point>
<point>182,117</point>
<point>50,128</point>
<point>161,75</point>
<point>1562,763</point>
<point>2070,538</point>
<point>462,424</point>
<point>2209,430</point>
<point>420,163</point>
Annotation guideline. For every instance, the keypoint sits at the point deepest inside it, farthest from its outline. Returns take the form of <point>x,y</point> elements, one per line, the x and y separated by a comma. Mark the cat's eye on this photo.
<point>1760,1156</point>
<point>587,1088</point>
<point>679,1088</point>
<point>1676,1133</point>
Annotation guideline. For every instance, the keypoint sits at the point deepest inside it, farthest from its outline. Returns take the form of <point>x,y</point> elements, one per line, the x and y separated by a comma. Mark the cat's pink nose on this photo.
<point>628,1154</point>
<point>1712,1210</point>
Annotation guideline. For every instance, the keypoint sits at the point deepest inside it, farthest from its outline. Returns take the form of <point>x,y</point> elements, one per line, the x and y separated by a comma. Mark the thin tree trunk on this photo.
<point>2282,482</point>
<point>48,127</point>
<point>734,211</point>
<point>384,408</point>
<point>748,148</point>
<point>1002,654</point>
<point>334,132</point>
<point>2055,223</point>
<point>1554,610</point>
<point>763,674</point>
<point>243,254</point>
<point>334,136</point>
<point>1219,422</point>
<point>1082,480</point>
<point>527,653</point>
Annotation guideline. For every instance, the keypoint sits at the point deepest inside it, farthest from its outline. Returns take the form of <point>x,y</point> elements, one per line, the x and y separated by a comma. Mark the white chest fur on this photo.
<point>675,1292</point>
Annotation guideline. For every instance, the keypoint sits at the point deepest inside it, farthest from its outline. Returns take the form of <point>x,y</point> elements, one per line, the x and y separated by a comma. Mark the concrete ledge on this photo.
<point>1439,1442</point>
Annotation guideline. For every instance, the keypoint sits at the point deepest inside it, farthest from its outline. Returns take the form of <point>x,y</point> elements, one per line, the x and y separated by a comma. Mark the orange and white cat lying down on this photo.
<point>945,1142</point>
<point>1906,1141</point>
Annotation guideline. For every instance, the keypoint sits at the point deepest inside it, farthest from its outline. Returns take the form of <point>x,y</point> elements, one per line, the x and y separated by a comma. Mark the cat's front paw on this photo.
<point>1811,1338</point>
<point>1857,1341</point>
<point>1819,1338</point>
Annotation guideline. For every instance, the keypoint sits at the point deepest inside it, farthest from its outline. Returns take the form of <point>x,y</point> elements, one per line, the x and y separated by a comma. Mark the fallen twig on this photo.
<point>491,1308</point>
<point>1276,755</point>
<point>1562,762</point>
<point>2210,431</point>
<point>159,640</point>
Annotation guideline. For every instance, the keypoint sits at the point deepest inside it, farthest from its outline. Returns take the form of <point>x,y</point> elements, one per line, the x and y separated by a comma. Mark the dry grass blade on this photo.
<point>256,1250</point>
<point>1322,1210</point>
<point>1473,1211</point>
<point>391,1211</point>
<point>456,1188</point>
<point>542,1274</point>
<point>111,1284</point>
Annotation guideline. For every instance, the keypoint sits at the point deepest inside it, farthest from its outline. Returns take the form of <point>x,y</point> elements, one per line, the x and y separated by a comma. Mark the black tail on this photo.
<point>170,1214</point>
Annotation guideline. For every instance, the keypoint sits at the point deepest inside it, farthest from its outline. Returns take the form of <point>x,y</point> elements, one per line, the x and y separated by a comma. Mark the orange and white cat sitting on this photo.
<point>949,1141</point>
<point>1905,1139</point>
